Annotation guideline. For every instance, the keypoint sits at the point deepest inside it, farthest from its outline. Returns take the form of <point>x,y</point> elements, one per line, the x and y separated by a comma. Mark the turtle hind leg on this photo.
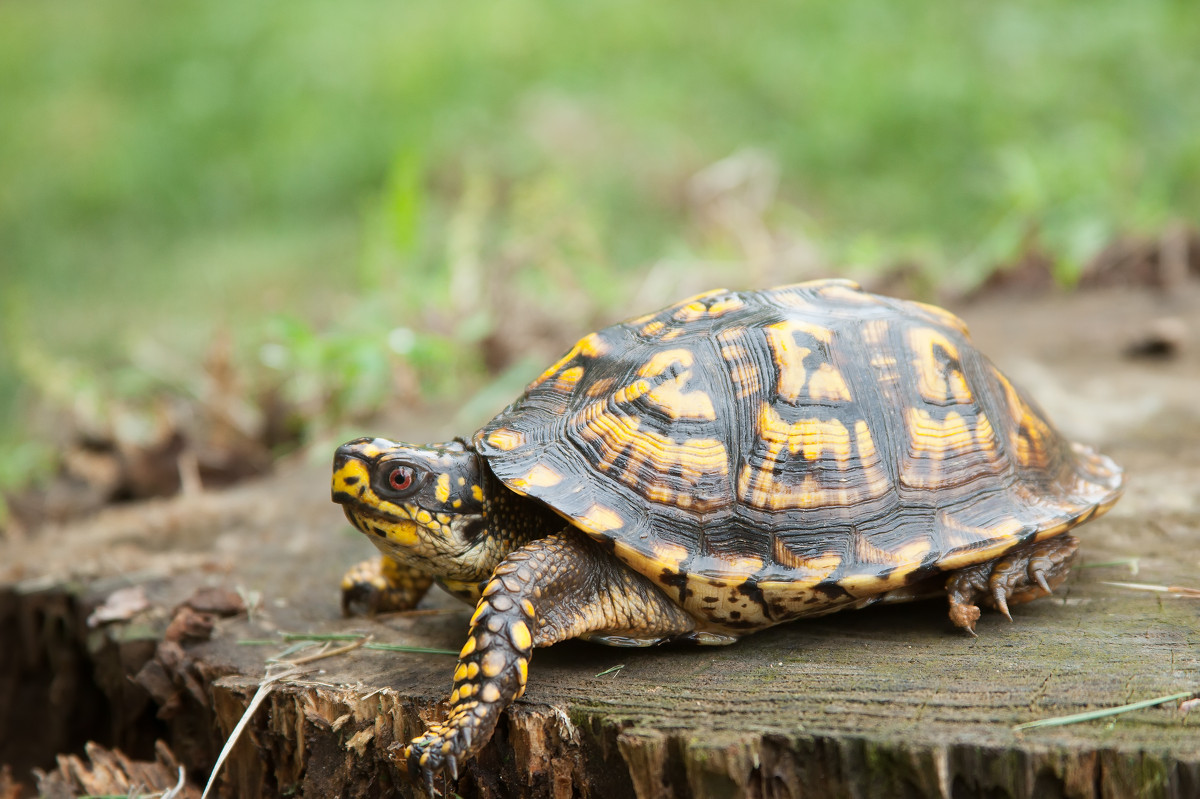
<point>1030,571</point>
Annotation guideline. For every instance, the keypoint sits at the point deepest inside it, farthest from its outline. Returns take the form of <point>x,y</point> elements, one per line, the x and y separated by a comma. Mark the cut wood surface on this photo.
<point>882,702</point>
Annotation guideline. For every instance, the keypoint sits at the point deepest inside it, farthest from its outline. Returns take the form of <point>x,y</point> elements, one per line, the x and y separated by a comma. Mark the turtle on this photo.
<point>729,463</point>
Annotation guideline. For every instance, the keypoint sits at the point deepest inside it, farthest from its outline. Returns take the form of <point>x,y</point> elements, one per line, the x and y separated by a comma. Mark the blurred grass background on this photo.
<point>371,199</point>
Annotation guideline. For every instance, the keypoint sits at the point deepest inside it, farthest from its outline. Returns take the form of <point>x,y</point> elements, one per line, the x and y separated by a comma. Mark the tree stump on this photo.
<point>888,701</point>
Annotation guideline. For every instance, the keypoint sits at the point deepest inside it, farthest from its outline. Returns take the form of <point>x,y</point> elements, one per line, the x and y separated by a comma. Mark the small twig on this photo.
<point>611,670</point>
<point>417,650</point>
<point>264,689</point>
<point>1059,721</point>
<point>1179,590</point>
<point>330,653</point>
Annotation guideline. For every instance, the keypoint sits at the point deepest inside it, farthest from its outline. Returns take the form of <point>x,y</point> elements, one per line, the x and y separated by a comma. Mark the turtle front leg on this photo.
<point>382,584</point>
<point>1027,572</point>
<point>551,590</point>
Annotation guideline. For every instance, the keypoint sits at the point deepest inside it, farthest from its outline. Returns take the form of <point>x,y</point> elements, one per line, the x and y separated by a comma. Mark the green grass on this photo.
<point>172,170</point>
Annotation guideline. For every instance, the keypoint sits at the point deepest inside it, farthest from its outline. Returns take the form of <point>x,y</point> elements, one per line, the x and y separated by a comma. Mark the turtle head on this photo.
<point>421,505</point>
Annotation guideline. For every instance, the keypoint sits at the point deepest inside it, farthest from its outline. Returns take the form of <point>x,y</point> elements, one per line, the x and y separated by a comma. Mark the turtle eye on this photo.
<point>401,478</point>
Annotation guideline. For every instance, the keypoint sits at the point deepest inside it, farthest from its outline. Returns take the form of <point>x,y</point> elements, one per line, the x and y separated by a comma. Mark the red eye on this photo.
<point>400,478</point>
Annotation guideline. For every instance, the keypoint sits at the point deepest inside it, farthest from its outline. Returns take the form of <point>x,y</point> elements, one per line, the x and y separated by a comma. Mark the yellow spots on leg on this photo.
<point>490,693</point>
<point>527,607</point>
<point>455,696</point>
<point>523,671</point>
<point>518,632</point>
<point>493,663</point>
<point>482,608</point>
<point>461,672</point>
<point>472,670</point>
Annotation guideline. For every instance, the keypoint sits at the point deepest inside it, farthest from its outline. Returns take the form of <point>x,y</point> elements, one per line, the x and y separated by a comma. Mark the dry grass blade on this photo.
<point>1059,721</point>
<point>264,689</point>
<point>330,653</point>
<point>612,670</point>
<point>1178,590</point>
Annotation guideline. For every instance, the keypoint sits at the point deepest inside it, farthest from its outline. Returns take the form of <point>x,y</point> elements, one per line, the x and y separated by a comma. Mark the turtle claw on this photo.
<point>452,767</point>
<point>1039,577</point>
<point>1000,597</point>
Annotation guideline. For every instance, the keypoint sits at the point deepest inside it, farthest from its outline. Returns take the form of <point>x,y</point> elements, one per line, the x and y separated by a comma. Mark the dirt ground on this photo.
<point>283,545</point>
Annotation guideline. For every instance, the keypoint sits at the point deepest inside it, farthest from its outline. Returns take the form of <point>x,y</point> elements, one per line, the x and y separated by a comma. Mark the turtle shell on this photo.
<point>791,451</point>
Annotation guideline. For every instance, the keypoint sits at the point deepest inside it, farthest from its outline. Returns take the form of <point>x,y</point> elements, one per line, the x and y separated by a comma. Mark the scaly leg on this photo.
<point>1027,572</point>
<point>550,590</point>
<point>382,584</point>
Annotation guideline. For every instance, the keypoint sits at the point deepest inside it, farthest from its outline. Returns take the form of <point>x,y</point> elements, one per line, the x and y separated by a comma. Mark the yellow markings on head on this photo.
<point>442,491</point>
<point>539,476</point>
<point>477,493</point>
<point>503,438</point>
<point>599,519</point>
<point>827,384</point>
<point>424,517</point>
<point>518,633</point>
<point>359,477</point>
<point>936,381</point>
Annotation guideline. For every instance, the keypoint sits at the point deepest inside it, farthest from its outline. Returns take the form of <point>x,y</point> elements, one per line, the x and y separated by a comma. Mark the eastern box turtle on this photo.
<point>735,461</point>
